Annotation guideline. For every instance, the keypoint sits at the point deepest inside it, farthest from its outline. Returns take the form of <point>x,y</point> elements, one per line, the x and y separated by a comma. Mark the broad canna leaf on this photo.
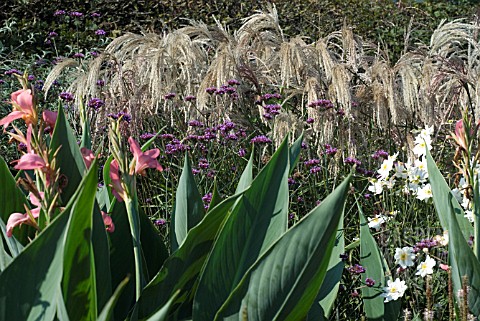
<point>69,158</point>
<point>285,280</point>
<point>107,311</point>
<point>258,219</point>
<point>440,191</point>
<point>216,198</point>
<point>188,209</point>
<point>325,299</point>
<point>247,175</point>
<point>180,271</point>
<point>5,258</point>
<point>371,258</point>
<point>79,275</point>
<point>122,259</point>
<point>462,260</point>
<point>12,200</point>
<point>14,246</point>
<point>162,313</point>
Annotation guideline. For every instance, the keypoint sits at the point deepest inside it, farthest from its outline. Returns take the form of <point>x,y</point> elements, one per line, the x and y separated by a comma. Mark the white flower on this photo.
<point>376,187</point>
<point>426,132</point>
<point>400,171</point>
<point>442,239</point>
<point>394,290</point>
<point>425,192</point>
<point>421,145</point>
<point>377,221</point>
<point>404,256</point>
<point>426,267</point>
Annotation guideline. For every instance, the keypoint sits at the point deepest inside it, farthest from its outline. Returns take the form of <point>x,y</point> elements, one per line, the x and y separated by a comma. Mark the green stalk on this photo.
<point>131,204</point>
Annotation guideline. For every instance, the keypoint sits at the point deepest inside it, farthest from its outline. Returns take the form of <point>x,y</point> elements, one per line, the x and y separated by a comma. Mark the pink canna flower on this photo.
<point>22,102</point>
<point>88,156</point>
<point>460,135</point>
<point>50,118</point>
<point>117,188</point>
<point>143,160</point>
<point>17,219</point>
<point>30,160</point>
<point>107,220</point>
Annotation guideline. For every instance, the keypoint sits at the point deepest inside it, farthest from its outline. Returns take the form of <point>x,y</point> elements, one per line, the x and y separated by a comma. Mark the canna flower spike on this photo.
<point>23,107</point>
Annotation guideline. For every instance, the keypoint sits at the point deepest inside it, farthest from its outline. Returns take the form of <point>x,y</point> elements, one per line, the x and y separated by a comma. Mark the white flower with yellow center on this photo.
<point>425,192</point>
<point>404,256</point>
<point>377,221</point>
<point>426,267</point>
<point>394,290</point>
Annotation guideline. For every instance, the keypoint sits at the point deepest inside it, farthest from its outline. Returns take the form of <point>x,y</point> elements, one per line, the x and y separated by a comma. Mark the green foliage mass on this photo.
<point>26,23</point>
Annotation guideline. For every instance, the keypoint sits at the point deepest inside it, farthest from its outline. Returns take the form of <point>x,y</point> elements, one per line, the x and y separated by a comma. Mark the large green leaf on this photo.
<point>257,220</point>
<point>189,210</point>
<point>325,299</point>
<point>121,256</point>
<point>463,261</point>
<point>180,271</point>
<point>79,278</point>
<point>107,311</point>
<point>295,150</point>
<point>440,191</point>
<point>69,159</point>
<point>12,200</point>
<point>162,313</point>
<point>283,283</point>
<point>247,175</point>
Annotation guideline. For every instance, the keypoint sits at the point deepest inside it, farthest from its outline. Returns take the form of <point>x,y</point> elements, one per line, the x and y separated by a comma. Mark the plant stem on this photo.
<point>131,204</point>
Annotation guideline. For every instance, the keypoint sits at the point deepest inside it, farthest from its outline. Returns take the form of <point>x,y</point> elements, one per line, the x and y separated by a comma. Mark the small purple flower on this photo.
<point>100,32</point>
<point>356,269</point>
<point>126,117</point>
<point>94,54</point>
<point>95,15</point>
<point>267,116</point>
<point>261,139</point>
<point>352,161</point>
<point>369,282</point>
<point>66,96</point>
<point>78,55</point>
<point>310,121</point>
<point>195,171</point>
<point>203,163</point>
<point>380,153</point>
<point>160,222</point>
<point>271,96</point>
<point>329,150</point>
<point>312,162</point>
<point>96,103</point>
<point>59,13</point>
<point>2,81</point>
<point>22,147</point>
<point>12,71</point>
<point>321,103</point>
<point>315,169</point>
<point>341,112</point>
<point>291,181</point>
<point>241,152</point>
<point>31,77</point>
<point>233,82</point>
<point>52,34</point>
<point>100,83</point>
<point>169,96</point>
<point>211,90</point>
<point>195,123</point>
<point>367,196</point>
<point>207,198</point>
<point>304,145</point>
<point>220,92</point>
<point>146,136</point>
<point>291,216</point>
<point>75,14</point>
<point>190,98</point>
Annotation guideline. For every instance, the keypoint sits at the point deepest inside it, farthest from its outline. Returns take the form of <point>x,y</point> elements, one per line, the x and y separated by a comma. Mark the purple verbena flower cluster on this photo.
<point>146,136</point>
<point>66,96</point>
<point>261,139</point>
<point>321,103</point>
<point>312,162</point>
<point>195,123</point>
<point>100,32</point>
<point>352,161</point>
<point>190,98</point>
<point>356,269</point>
<point>271,110</point>
<point>380,154</point>
<point>12,71</point>
<point>126,117</point>
<point>424,244</point>
<point>169,96</point>
<point>96,103</point>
